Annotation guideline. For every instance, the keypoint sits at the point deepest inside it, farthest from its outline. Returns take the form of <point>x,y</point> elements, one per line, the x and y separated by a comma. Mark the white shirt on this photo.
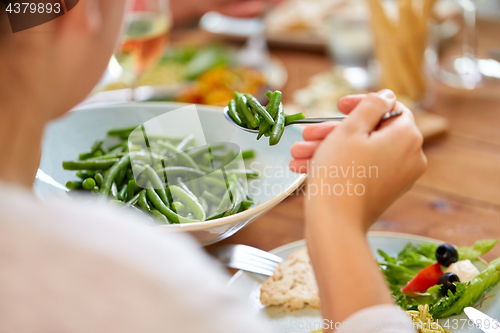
<point>71,267</point>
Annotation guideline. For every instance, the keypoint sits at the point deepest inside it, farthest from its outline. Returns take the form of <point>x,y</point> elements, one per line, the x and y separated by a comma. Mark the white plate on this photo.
<point>285,321</point>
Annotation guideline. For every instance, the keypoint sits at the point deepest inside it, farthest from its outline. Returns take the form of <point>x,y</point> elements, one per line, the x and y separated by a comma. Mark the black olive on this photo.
<point>446,254</point>
<point>447,280</point>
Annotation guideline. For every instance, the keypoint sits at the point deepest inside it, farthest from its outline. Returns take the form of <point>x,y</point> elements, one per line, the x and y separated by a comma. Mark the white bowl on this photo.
<point>75,133</point>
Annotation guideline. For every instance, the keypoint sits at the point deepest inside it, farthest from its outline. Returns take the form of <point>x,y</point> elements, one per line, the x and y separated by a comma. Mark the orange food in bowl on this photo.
<point>216,86</point>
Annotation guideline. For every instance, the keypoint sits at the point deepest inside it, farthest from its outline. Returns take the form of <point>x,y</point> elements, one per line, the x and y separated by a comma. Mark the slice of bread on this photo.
<point>292,285</point>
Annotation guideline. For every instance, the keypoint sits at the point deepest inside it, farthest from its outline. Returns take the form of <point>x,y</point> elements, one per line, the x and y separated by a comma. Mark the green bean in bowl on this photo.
<point>171,179</point>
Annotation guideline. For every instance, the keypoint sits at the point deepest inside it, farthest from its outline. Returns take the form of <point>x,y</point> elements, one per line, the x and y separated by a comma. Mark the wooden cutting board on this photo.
<point>431,125</point>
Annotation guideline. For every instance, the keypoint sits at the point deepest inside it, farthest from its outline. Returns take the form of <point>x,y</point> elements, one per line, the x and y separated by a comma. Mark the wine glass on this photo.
<point>145,37</point>
<point>467,71</point>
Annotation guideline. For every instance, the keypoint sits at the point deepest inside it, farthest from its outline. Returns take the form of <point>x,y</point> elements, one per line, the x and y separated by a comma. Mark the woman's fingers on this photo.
<point>406,114</point>
<point>304,150</point>
<point>319,131</point>
<point>347,103</point>
<point>299,166</point>
<point>367,114</point>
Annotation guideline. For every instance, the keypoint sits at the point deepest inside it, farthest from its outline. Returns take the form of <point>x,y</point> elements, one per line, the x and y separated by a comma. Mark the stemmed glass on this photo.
<point>464,71</point>
<point>145,37</point>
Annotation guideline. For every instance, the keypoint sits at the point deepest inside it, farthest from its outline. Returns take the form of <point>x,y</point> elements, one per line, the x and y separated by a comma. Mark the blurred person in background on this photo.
<point>68,267</point>
<point>187,11</point>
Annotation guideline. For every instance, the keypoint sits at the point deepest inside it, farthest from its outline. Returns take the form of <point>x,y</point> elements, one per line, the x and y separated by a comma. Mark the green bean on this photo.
<point>241,106</point>
<point>215,216</point>
<point>143,203</point>
<point>185,188</point>
<point>195,184</point>
<point>245,204</point>
<point>206,169</point>
<point>239,172</point>
<point>120,176</point>
<point>257,107</point>
<point>106,156</point>
<point>226,201</point>
<point>204,204</point>
<point>186,142</point>
<point>95,147</point>
<point>154,137</point>
<point>178,207</point>
<point>192,205</point>
<point>99,179</point>
<point>230,156</point>
<point>116,147</point>
<point>111,174</point>
<point>210,197</point>
<point>130,174</point>
<point>114,191</point>
<point>88,184</point>
<point>237,198</point>
<point>214,181</point>
<point>89,165</point>
<point>95,190</point>
<point>180,171</point>
<point>72,185</point>
<point>122,132</point>
<point>122,195</point>
<point>244,172</point>
<point>134,200</point>
<point>157,183</point>
<point>159,216</point>
<point>180,154</point>
<point>294,117</point>
<point>84,174</point>
<point>195,152</point>
<point>278,128</point>
<point>257,120</point>
<point>273,109</point>
<point>233,113</point>
<point>248,154</point>
<point>216,156</point>
<point>131,188</point>
<point>165,210</point>
<point>269,94</point>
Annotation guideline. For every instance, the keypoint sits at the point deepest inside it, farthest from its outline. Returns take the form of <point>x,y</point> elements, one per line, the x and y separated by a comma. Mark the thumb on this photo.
<point>367,114</point>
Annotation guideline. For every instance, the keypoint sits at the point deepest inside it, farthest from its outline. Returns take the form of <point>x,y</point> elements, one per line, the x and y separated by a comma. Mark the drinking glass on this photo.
<point>467,71</point>
<point>350,44</point>
<point>145,37</point>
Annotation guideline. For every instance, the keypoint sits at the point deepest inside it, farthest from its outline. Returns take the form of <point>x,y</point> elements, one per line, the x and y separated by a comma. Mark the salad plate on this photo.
<point>280,320</point>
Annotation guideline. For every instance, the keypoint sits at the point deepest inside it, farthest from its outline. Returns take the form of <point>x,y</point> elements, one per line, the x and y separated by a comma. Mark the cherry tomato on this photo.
<point>424,279</point>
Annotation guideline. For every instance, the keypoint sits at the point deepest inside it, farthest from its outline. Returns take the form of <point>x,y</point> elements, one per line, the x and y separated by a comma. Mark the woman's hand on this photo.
<point>357,168</point>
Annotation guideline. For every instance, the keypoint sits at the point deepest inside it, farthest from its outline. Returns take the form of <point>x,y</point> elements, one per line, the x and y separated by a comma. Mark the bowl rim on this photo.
<point>195,226</point>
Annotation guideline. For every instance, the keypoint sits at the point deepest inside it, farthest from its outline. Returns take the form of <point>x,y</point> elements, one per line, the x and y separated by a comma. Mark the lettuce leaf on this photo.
<point>478,249</point>
<point>417,256</point>
<point>466,294</point>
<point>396,274</point>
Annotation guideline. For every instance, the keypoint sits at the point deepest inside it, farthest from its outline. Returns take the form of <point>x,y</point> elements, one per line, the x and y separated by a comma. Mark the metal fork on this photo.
<point>246,258</point>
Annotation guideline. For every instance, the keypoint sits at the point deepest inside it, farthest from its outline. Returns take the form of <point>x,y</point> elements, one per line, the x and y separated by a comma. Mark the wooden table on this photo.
<point>458,198</point>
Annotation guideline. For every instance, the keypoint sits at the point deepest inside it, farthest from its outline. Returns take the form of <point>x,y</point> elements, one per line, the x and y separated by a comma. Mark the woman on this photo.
<point>68,268</point>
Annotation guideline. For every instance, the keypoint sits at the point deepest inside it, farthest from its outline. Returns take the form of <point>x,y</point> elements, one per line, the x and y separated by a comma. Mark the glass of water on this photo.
<point>350,44</point>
